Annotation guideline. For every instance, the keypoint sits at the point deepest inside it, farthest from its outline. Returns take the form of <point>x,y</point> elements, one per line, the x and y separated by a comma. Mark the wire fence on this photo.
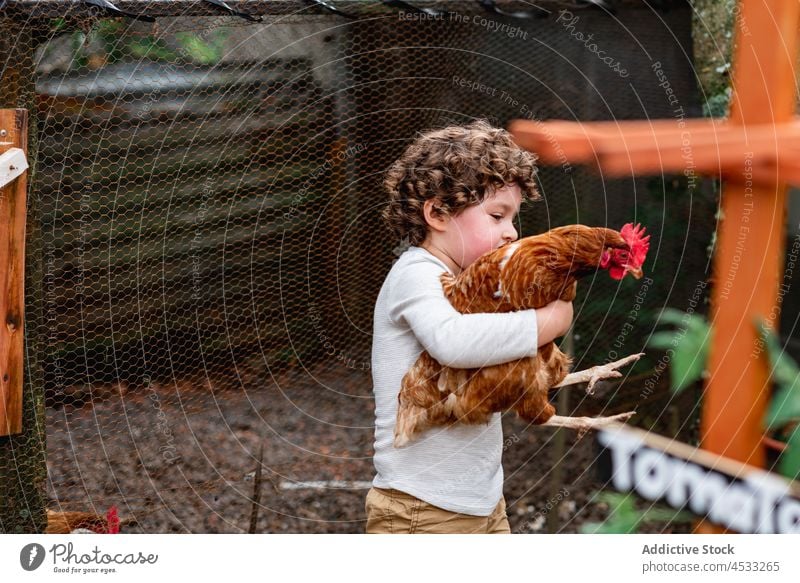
<point>207,197</point>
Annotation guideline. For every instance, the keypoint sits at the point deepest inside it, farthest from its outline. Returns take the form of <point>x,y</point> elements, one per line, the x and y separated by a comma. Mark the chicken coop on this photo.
<point>204,245</point>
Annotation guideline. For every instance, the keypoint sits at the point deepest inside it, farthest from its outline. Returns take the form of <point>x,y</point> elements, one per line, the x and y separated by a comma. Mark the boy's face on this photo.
<point>484,226</point>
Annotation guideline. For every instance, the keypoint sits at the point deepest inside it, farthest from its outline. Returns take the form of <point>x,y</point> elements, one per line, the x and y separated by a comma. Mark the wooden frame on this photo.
<point>13,136</point>
<point>754,152</point>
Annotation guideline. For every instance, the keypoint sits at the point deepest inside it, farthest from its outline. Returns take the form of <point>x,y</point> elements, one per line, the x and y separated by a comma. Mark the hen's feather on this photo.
<point>65,522</point>
<point>529,273</point>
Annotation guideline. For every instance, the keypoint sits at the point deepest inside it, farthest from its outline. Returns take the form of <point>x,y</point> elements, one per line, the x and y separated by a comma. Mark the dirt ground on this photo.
<point>181,457</point>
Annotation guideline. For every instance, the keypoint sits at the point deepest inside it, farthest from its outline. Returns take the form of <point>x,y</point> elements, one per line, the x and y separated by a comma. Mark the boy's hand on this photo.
<point>553,321</point>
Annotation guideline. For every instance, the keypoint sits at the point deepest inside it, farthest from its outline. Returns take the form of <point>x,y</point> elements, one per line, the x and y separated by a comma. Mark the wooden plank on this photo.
<point>132,141</point>
<point>662,146</point>
<point>580,142</point>
<point>174,216</point>
<point>13,134</point>
<point>97,312</point>
<point>153,249</point>
<point>132,199</point>
<point>97,287</point>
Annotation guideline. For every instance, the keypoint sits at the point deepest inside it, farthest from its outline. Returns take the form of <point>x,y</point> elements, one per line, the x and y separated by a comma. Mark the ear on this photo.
<point>435,219</point>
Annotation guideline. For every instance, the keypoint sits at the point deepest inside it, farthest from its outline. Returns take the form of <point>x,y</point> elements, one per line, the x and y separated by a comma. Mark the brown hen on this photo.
<point>529,273</point>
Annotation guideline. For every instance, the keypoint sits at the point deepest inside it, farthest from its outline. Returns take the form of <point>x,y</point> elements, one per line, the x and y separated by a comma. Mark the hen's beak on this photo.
<point>636,272</point>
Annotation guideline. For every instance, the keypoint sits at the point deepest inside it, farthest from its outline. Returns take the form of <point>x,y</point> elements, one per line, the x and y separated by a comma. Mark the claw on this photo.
<point>598,373</point>
<point>599,377</point>
<point>621,417</point>
<point>584,424</point>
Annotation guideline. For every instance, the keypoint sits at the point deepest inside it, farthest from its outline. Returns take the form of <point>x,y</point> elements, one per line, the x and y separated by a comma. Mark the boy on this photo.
<point>454,194</point>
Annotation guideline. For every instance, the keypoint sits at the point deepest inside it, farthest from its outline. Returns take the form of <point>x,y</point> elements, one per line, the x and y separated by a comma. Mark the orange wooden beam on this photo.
<point>13,134</point>
<point>703,146</point>
<point>586,142</point>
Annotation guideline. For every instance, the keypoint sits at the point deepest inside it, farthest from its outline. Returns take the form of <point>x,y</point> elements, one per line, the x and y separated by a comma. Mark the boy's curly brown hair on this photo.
<point>458,165</point>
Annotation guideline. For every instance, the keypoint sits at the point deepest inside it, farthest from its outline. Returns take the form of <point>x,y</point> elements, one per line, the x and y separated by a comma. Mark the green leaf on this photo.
<point>150,48</point>
<point>790,458</point>
<point>785,404</point>
<point>690,344</point>
<point>205,52</point>
<point>671,316</point>
<point>670,515</point>
<point>661,340</point>
<point>784,407</point>
<point>624,518</point>
<point>690,358</point>
<point>617,526</point>
<point>785,370</point>
<point>58,23</point>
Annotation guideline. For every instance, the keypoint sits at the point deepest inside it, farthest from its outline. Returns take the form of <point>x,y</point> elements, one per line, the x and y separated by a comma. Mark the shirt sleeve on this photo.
<point>416,299</point>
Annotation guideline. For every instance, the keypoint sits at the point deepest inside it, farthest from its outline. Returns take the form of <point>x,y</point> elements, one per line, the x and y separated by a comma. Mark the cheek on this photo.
<point>476,234</point>
<point>472,226</point>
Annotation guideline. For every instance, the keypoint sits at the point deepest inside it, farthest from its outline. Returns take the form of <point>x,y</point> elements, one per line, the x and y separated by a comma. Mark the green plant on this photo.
<point>151,48</point>
<point>783,413</point>
<point>625,518</point>
<point>108,42</point>
<point>690,344</point>
<point>206,49</point>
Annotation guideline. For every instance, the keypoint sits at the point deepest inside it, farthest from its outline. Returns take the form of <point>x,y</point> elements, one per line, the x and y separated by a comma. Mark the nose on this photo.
<point>510,235</point>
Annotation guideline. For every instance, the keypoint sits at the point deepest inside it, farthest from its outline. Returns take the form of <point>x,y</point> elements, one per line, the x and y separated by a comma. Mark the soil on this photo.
<point>181,457</point>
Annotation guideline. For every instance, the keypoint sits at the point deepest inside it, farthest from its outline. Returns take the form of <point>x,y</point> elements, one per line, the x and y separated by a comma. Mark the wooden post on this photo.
<point>13,134</point>
<point>23,469</point>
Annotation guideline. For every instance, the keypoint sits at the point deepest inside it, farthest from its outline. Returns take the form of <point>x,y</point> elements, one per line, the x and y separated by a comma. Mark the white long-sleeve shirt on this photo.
<point>457,468</point>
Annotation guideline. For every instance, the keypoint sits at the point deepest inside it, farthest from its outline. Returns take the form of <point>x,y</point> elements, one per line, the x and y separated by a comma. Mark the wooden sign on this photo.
<point>740,497</point>
<point>13,147</point>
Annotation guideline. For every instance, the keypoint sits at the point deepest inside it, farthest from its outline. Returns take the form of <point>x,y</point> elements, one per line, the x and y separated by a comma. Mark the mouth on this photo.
<point>636,272</point>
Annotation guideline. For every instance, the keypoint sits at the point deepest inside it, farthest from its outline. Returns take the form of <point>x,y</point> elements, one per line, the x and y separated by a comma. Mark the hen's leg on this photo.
<point>584,424</point>
<point>597,373</point>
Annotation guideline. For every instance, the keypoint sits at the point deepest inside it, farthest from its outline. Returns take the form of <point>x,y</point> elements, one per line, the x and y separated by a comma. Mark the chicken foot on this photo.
<point>584,424</point>
<point>597,373</point>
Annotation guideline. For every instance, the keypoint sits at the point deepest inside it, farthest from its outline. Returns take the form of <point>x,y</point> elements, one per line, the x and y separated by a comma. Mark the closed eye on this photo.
<point>498,217</point>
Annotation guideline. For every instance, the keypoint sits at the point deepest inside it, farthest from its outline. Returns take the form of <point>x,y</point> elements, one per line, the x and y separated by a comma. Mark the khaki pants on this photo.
<point>391,511</point>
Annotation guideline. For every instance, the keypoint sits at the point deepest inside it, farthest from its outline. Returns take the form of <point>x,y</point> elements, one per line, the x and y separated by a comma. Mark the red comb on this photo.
<point>639,244</point>
<point>113,520</point>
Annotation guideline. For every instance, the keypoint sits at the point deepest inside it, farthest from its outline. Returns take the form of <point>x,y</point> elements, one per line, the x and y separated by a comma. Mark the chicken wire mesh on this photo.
<point>208,197</point>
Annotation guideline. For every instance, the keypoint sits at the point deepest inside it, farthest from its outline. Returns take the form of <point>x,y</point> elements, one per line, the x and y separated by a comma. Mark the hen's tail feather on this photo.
<point>411,420</point>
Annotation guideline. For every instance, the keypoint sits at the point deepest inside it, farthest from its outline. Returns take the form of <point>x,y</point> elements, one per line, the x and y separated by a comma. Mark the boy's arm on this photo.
<point>458,340</point>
